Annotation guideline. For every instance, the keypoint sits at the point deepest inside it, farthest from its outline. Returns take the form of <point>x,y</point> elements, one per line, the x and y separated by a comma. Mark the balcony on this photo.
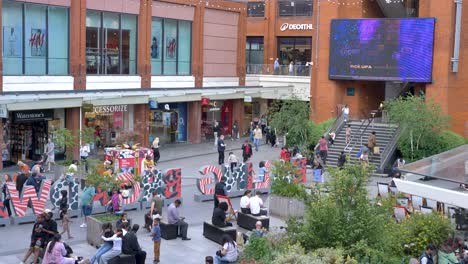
<point>267,69</point>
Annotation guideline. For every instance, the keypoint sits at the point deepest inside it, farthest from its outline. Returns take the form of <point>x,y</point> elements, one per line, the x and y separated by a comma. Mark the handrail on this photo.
<point>391,146</point>
<point>336,126</point>
<point>370,121</point>
<point>353,136</point>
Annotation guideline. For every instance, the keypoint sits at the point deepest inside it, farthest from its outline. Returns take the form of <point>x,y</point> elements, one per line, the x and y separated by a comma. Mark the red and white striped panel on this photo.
<point>20,204</point>
<point>266,183</point>
<point>203,185</point>
<point>128,178</point>
<point>215,170</point>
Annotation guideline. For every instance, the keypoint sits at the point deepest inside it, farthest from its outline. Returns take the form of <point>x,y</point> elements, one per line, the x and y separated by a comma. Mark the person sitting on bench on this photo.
<point>256,204</point>
<point>130,245</point>
<point>245,202</point>
<point>173,218</point>
<point>219,215</point>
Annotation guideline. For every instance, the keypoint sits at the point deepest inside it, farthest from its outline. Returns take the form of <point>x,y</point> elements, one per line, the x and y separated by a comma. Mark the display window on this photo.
<point>168,122</point>
<point>111,40</point>
<point>25,134</point>
<point>216,111</point>
<point>297,50</point>
<point>109,121</point>
<point>171,48</point>
<point>35,39</point>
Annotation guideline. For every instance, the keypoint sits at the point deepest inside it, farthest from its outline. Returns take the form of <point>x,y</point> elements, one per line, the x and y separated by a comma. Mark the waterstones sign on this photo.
<point>33,115</point>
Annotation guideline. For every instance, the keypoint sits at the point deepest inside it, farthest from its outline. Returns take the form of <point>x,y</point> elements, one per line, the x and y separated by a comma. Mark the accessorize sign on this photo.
<point>287,26</point>
<point>110,108</point>
<point>31,115</point>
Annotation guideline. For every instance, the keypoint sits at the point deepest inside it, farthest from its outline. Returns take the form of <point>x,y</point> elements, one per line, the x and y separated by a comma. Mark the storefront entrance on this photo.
<point>220,111</point>
<point>108,120</point>
<point>168,122</point>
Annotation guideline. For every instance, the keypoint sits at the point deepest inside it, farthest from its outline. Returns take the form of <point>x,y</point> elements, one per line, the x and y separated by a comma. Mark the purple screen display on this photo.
<point>382,49</point>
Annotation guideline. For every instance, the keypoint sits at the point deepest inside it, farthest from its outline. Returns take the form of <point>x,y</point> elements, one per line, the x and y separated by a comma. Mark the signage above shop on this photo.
<point>248,99</point>
<point>87,107</point>
<point>153,104</point>
<point>205,101</point>
<point>110,108</point>
<point>33,115</point>
<point>3,111</point>
<point>287,26</point>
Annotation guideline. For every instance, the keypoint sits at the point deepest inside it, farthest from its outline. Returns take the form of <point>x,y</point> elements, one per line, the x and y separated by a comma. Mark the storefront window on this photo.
<point>110,43</point>
<point>295,7</point>
<point>254,54</point>
<point>168,122</point>
<point>298,50</point>
<point>35,39</point>
<point>256,9</point>
<point>216,111</point>
<point>171,47</point>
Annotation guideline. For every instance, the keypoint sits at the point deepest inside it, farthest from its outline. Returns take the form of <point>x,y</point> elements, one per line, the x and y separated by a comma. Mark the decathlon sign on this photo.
<point>287,26</point>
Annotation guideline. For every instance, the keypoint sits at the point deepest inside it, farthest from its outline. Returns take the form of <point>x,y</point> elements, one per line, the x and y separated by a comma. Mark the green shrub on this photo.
<point>319,129</point>
<point>449,140</point>
<point>106,218</point>
<point>258,248</point>
<point>288,189</point>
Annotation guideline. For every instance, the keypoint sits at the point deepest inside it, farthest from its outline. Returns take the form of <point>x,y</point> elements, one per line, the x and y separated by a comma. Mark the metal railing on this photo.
<point>388,151</point>
<point>336,126</point>
<point>269,69</point>
<point>358,135</point>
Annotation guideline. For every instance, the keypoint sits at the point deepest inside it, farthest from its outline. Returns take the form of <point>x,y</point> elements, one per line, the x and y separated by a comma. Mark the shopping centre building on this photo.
<point>300,32</point>
<point>170,68</point>
<point>164,69</point>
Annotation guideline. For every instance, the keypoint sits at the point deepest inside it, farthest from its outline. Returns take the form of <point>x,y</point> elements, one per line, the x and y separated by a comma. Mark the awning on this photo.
<point>178,98</point>
<point>225,96</point>
<point>45,104</point>
<point>119,100</point>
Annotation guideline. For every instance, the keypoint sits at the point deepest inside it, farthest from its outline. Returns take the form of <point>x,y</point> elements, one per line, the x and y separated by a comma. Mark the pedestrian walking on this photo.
<point>6,193</point>
<point>291,68</point>
<point>50,152</point>
<point>216,132</point>
<point>87,202</point>
<point>251,131</point>
<point>323,148</point>
<point>331,137</point>
<point>276,66</point>
<point>221,149</point>
<point>348,134</point>
<point>246,151</point>
<point>66,221</point>
<point>84,153</point>
<point>235,131</point>
<point>372,143</point>
<point>232,160</point>
<point>155,146</point>
<point>257,137</point>
<point>156,234</point>
<point>345,112</point>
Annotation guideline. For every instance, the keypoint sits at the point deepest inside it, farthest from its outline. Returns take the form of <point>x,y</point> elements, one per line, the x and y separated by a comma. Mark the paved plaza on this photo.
<point>188,157</point>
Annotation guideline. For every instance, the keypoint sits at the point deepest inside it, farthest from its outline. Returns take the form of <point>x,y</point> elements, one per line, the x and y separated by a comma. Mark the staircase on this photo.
<point>386,134</point>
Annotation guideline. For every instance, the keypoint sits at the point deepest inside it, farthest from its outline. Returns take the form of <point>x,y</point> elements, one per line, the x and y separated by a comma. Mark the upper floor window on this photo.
<point>171,47</point>
<point>35,39</point>
<point>111,43</point>
<point>256,9</point>
<point>295,7</point>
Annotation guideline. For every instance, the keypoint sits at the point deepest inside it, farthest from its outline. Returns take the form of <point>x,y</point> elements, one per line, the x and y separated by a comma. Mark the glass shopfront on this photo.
<point>219,111</point>
<point>109,122</point>
<point>168,121</point>
<point>295,49</point>
<point>171,49</point>
<point>25,133</point>
<point>35,39</point>
<point>111,43</point>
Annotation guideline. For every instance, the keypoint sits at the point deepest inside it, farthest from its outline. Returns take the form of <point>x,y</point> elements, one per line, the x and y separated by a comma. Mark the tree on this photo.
<point>87,135</point>
<point>291,117</point>
<point>421,121</point>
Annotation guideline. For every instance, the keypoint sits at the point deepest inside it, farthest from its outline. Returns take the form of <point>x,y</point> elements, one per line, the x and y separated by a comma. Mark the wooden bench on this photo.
<point>123,259</point>
<point>215,233</point>
<point>169,231</point>
<point>248,221</point>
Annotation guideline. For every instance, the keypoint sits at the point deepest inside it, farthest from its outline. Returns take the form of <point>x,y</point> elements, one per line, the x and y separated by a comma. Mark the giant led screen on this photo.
<point>382,49</point>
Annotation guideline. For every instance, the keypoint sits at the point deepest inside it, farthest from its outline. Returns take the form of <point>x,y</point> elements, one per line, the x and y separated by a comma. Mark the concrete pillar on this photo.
<point>78,43</point>
<point>194,122</point>
<point>241,37</point>
<point>72,122</point>
<point>141,123</point>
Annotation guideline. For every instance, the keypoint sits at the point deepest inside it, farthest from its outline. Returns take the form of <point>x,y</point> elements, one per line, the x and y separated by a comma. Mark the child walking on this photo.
<point>156,233</point>
<point>233,160</point>
<point>65,222</point>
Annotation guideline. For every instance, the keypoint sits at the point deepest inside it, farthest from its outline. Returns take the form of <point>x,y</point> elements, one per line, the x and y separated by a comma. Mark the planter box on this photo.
<point>94,231</point>
<point>285,207</point>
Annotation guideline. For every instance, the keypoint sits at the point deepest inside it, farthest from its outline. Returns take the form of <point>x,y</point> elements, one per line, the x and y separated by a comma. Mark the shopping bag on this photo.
<point>318,176</point>
<point>376,150</point>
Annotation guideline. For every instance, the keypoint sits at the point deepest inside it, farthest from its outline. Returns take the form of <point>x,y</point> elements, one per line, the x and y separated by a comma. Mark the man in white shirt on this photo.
<point>84,153</point>
<point>256,204</point>
<point>245,202</point>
